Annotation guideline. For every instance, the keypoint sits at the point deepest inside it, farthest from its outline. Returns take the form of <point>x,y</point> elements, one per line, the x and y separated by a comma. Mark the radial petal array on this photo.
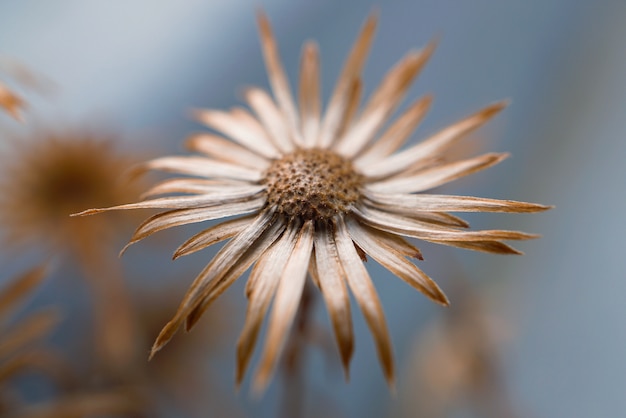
<point>316,192</point>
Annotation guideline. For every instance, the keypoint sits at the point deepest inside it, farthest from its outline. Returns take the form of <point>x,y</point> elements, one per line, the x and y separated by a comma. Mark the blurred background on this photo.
<point>541,335</point>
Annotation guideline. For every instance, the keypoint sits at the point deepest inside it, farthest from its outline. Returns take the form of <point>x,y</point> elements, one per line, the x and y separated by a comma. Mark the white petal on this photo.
<point>433,146</point>
<point>365,294</point>
<point>179,217</point>
<point>260,289</point>
<point>333,287</point>
<point>449,203</point>
<point>410,227</point>
<point>393,138</point>
<point>310,106</point>
<point>436,176</point>
<point>239,125</point>
<point>199,166</point>
<point>227,265</point>
<point>213,235</point>
<point>277,77</point>
<point>271,118</point>
<point>285,306</point>
<point>227,151</point>
<point>395,262</point>
<point>384,100</point>
<point>340,99</point>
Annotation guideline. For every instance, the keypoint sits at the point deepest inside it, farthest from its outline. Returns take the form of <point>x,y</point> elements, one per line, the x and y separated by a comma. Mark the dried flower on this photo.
<point>50,175</point>
<point>317,193</point>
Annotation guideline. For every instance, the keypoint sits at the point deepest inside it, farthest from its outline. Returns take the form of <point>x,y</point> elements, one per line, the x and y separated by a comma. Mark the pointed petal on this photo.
<point>395,262</point>
<point>270,117</point>
<point>433,146</point>
<point>260,288</point>
<point>449,203</point>
<point>494,247</point>
<point>395,136</point>
<point>227,195</point>
<point>228,264</point>
<point>226,151</point>
<point>384,101</point>
<point>277,77</point>
<point>179,217</point>
<point>354,99</point>
<point>198,166</point>
<point>193,186</point>
<point>429,232</point>
<point>334,291</point>
<point>339,101</point>
<point>310,105</point>
<point>239,125</point>
<point>285,306</point>
<point>213,235</point>
<point>437,175</point>
<point>365,294</point>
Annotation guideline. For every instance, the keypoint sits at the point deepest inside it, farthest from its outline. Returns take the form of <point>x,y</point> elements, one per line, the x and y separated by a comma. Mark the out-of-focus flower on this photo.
<point>50,175</point>
<point>316,193</point>
<point>455,363</point>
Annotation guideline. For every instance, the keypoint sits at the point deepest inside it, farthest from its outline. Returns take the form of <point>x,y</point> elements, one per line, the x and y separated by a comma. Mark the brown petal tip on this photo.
<point>164,337</point>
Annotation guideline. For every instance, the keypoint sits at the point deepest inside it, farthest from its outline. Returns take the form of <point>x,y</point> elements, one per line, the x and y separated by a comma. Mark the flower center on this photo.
<point>312,184</point>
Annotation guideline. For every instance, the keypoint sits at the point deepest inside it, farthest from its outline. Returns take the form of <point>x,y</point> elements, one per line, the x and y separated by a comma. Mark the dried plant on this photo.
<point>46,177</point>
<point>456,362</point>
<point>316,193</point>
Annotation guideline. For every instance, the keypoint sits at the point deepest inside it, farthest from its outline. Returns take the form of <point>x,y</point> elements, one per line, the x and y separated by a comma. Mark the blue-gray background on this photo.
<point>139,65</point>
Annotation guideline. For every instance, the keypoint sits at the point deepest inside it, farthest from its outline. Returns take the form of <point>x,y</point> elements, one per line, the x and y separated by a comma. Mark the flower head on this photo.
<point>315,193</point>
<point>50,175</point>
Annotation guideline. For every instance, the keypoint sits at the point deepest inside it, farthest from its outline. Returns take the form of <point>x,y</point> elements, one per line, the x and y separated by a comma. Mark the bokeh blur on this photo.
<point>539,335</point>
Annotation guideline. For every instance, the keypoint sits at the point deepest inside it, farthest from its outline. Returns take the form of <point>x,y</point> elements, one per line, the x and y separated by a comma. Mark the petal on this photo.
<point>277,77</point>
<point>340,99</point>
<point>224,196</point>
<point>193,186</point>
<point>395,136</point>
<point>260,289</point>
<point>179,217</point>
<point>227,265</point>
<point>227,151</point>
<point>395,262</point>
<point>270,117</point>
<point>333,287</point>
<point>429,232</point>
<point>494,247</point>
<point>285,306</point>
<point>310,106</point>
<point>448,203</point>
<point>239,125</point>
<point>433,146</point>
<point>199,166</point>
<point>365,294</point>
<point>436,176</point>
<point>213,235</point>
<point>384,101</point>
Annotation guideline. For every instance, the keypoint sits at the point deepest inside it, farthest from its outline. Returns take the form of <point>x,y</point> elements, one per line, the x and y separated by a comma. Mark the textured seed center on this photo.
<point>312,184</point>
